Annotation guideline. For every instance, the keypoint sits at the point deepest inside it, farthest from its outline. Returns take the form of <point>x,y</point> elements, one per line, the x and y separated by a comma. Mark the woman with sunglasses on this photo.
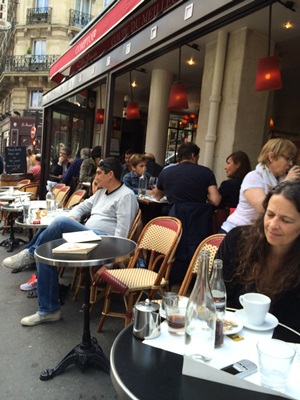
<point>275,164</point>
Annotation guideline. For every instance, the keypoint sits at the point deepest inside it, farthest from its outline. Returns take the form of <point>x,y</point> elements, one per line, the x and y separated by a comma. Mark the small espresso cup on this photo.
<point>256,307</point>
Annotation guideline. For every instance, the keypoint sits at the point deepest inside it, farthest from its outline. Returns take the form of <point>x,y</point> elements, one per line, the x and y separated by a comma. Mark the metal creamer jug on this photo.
<point>146,324</point>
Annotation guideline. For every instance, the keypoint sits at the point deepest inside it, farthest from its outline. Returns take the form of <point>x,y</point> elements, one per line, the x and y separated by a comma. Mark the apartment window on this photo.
<point>83,6</point>
<point>42,3</point>
<point>35,98</point>
<point>39,51</point>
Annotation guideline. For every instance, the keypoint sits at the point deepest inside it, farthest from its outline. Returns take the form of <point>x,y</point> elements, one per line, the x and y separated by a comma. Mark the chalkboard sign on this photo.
<point>15,159</point>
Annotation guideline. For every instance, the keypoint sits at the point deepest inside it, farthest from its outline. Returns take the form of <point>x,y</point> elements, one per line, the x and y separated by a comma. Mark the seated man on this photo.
<point>138,164</point>
<point>60,166</point>
<point>112,208</point>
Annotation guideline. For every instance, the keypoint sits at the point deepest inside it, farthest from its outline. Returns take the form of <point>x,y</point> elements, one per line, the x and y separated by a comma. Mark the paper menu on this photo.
<point>81,236</point>
<point>74,248</point>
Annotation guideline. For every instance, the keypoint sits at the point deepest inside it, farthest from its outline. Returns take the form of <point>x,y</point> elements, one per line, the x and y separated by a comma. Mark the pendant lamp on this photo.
<point>132,109</point>
<point>99,117</point>
<point>268,75</point>
<point>178,97</point>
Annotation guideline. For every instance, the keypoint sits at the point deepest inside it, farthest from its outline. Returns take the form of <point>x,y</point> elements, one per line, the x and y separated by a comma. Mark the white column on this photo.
<point>215,99</point>
<point>158,114</point>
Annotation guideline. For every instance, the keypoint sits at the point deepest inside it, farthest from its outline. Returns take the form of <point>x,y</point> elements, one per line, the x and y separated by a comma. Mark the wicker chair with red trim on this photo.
<point>211,244</point>
<point>157,244</point>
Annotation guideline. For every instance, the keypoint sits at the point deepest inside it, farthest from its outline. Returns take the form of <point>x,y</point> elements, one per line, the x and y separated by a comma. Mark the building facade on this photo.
<point>41,30</point>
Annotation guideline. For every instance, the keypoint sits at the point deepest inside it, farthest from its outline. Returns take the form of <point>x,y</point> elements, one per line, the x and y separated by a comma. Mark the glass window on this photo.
<point>82,6</point>
<point>42,3</point>
<point>35,98</point>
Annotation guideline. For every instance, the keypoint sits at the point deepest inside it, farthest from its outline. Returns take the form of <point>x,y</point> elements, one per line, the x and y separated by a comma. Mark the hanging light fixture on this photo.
<point>99,117</point>
<point>132,109</point>
<point>178,97</point>
<point>268,75</point>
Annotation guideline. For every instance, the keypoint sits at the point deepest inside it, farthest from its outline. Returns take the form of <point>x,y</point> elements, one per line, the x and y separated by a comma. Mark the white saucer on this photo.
<point>230,316</point>
<point>270,322</point>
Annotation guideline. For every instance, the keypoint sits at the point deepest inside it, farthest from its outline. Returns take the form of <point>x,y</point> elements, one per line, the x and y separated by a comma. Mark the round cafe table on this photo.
<point>110,249</point>
<point>143,372</point>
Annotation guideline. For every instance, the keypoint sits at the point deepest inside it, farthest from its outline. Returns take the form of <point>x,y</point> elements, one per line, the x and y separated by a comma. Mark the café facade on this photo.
<point>132,53</point>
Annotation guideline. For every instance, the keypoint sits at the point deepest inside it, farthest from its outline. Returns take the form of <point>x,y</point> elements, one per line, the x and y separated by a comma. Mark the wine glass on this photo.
<point>152,182</point>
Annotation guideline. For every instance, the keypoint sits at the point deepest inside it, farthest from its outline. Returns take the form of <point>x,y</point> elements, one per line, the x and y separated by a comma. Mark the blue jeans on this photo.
<point>48,283</point>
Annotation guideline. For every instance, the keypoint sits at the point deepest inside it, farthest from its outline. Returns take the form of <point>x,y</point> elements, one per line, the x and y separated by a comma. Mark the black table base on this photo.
<point>81,356</point>
<point>88,351</point>
<point>11,242</point>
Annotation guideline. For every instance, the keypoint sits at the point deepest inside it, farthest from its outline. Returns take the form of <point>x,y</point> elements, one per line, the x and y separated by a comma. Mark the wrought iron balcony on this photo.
<point>39,15</point>
<point>28,63</point>
<point>79,19</point>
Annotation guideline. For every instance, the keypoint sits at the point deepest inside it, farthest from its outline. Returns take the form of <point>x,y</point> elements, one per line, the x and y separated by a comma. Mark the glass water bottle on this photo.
<point>50,202</point>
<point>218,290</point>
<point>200,321</point>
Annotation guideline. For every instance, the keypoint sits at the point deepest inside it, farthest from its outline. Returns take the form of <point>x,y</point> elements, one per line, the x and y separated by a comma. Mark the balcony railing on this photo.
<point>78,18</point>
<point>38,15</point>
<point>28,63</point>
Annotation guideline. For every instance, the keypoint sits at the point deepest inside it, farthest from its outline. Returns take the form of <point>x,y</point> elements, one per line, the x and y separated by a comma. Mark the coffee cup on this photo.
<point>256,307</point>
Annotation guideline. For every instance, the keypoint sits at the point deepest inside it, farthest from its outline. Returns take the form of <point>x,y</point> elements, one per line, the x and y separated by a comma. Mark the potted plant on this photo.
<point>28,53</point>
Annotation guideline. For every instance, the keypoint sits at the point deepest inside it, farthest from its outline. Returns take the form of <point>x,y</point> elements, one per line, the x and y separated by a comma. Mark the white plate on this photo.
<point>235,329</point>
<point>270,323</point>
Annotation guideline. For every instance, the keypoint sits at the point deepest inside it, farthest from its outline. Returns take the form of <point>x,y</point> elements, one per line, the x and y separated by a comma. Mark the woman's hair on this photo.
<point>278,147</point>
<point>254,249</point>
<point>241,158</point>
<point>137,158</point>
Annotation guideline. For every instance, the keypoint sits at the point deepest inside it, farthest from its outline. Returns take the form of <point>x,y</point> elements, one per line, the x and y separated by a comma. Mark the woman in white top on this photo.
<point>275,165</point>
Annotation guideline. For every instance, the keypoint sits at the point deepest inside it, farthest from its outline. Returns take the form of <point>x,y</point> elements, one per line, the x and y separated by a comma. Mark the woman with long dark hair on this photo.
<point>265,257</point>
<point>237,167</point>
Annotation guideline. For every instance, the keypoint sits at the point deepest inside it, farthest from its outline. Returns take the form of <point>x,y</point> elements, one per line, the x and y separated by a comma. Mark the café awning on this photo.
<point>88,47</point>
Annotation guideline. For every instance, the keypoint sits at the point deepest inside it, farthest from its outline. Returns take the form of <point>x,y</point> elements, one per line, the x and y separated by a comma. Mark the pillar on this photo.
<point>158,114</point>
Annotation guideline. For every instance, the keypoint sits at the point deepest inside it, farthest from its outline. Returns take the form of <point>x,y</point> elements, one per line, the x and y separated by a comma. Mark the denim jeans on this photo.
<point>48,281</point>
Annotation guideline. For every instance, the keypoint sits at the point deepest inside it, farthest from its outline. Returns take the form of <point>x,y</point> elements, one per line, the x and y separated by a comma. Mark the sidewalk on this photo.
<point>26,351</point>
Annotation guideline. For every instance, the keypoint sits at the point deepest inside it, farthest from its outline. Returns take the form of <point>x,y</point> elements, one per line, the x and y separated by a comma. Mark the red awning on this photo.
<point>109,21</point>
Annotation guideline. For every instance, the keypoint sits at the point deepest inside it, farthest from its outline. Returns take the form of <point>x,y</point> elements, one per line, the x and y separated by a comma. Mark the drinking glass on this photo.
<point>152,182</point>
<point>275,359</point>
<point>175,314</point>
<point>26,209</point>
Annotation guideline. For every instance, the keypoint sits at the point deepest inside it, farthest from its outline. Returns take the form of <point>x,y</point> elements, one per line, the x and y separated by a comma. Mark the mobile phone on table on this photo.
<point>241,368</point>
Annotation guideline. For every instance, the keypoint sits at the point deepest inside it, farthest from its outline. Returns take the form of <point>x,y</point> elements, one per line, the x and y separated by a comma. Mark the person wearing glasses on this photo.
<point>112,210</point>
<point>60,167</point>
<point>275,164</point>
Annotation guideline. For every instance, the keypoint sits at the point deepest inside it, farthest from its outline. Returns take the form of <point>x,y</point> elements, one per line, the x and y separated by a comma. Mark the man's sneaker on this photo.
<point>37,319</point>
<point>30,285</point>
<point>18,260</point>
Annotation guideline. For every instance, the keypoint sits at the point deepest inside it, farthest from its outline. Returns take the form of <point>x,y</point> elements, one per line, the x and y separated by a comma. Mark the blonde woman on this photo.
<point>275,164</point>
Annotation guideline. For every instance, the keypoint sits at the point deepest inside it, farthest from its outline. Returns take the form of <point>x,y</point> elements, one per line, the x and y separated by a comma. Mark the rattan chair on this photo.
<point>97,292</point>
<point>75,198</point>
<point>62,195</point>
<point>211,243</point>
<point>157,244</point>
<point>23,182</point>
<point>57,188</point>
<point>31,188</point>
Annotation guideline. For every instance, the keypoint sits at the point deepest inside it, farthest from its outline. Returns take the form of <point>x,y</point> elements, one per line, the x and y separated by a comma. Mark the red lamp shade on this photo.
<point>132,111</point>
<point>99,118</point>
<point>178,97</point>
<point>268,74</point>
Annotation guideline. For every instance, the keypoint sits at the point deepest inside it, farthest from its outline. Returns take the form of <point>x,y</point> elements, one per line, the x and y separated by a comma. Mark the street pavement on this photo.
<point>26,351</point>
